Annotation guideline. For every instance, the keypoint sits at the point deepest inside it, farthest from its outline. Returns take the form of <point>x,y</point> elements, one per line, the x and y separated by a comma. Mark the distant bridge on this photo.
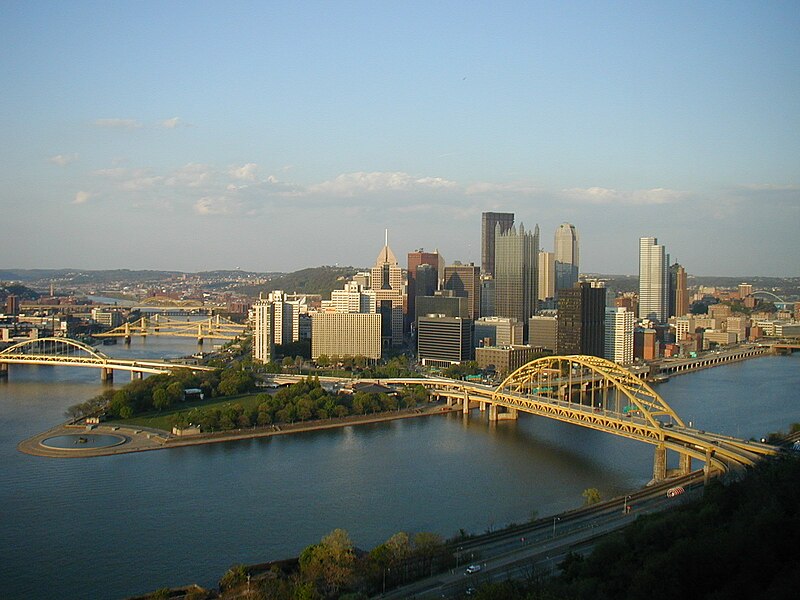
<point>216,327</point>
<point>57,351</point>
<point>598,394</point>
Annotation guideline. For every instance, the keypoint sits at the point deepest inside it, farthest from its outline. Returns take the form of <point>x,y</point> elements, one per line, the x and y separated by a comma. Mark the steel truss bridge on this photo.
<point>59,351</point>
<point>215,327</point>
<point>592,392</point>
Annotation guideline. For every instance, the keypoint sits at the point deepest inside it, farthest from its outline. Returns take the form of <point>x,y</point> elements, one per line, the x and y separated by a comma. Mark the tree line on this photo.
<point>305,400</point>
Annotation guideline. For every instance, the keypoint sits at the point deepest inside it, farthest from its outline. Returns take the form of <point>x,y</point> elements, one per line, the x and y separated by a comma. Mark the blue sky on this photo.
<point>279,135</point>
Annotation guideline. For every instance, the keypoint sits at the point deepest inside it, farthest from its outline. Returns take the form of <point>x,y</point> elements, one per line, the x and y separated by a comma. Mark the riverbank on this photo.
<point>140,439</point>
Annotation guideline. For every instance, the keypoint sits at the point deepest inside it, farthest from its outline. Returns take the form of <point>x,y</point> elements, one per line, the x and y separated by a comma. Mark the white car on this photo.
<point>472,569</point>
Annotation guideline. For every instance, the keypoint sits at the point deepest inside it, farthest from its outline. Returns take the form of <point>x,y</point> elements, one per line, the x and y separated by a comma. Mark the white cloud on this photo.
<point>118,123</point>
<point>248,172</point>
<point>219,205</point>
<point>600,195</point>
<point>351,184</point>
<point>62,160</point>
<point>81,197</point>
<point>172,123</point>
<point>191,175</point>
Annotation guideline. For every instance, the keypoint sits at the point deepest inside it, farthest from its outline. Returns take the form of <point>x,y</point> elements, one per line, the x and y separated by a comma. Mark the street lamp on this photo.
<point>625,505</point>
<point>554,525</point>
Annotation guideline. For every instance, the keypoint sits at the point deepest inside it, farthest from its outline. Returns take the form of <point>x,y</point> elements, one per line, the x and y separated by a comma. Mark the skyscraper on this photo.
<point>465,281</point>
<point>566,256</point>
<point>547,275</point>
<point>427,286</point>
<point>386,279</point>
<point>653,280</point>
<point>619,335</point>
<point>582,320</point>
<point>516,276</point>
<point>489,223</point>
<point>678,292</point>
<point>264,331</point>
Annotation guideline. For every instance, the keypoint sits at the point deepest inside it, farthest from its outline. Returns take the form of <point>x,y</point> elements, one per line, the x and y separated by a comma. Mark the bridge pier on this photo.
<point>106,374</point>
<point>660,463</point>
<point>465,404</point>
<point>496,415</point>
<point>3,370</point>
<point>685,464</point>
<point>136,375</point>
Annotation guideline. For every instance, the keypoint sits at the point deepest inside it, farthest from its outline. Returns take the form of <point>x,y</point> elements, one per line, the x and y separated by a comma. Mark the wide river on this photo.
<point>115,526</point>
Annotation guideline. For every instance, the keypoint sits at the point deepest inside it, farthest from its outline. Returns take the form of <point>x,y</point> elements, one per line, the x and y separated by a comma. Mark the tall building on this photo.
<point>424,283</point>
<point>678,292</point>
<point>263,331</point>
<point>566,256</point>
<point>653,280</point>
<point>489,223</point>
<point>543,332</point>
<point>619,335</point>
<point>745,289</point>
<point>582,320</point>
<point>465,282</point>
<point>352,299</point>
<point>346,334</point>
<point>516,277</point>
<point>498,331</point>
<point>286,317</point>
<point>386,279</point>
<point>442,341</point>
<point>547,276</point>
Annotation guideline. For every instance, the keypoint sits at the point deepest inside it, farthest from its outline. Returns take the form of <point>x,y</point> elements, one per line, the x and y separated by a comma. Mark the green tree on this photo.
<point>331,563</point>
<point>161,399</point>
<point>591,496</point>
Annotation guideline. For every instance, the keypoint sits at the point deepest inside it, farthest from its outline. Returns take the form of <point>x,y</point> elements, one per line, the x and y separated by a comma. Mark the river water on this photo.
<point>111,527</point>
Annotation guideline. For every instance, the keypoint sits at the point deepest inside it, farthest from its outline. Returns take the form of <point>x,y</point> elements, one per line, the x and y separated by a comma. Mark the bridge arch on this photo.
<point>54,346</point>
<point>766,293</point>
<point>554,378</point>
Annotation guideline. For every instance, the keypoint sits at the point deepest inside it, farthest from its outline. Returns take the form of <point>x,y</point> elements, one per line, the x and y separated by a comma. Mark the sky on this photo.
<point>273,136</point>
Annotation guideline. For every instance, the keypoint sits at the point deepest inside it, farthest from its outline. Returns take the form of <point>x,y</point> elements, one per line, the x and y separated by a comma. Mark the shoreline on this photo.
<point>141,439</point>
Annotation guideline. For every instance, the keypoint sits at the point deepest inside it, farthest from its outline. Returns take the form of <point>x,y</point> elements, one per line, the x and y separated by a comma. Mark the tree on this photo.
<point>323,360</point>
<point>331,563</point>
<point>161,399</point>
<point>591,496</point>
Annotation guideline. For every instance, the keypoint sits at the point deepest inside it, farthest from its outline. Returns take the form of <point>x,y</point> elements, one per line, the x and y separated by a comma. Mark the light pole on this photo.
<point>625,505</point>
<point>554,525</point>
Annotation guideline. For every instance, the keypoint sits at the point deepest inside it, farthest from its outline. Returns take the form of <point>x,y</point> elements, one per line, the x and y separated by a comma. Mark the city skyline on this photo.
<point>153,136</point>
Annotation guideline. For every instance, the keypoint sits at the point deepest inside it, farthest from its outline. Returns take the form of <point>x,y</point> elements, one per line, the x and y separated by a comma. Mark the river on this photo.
<point>111,527</point>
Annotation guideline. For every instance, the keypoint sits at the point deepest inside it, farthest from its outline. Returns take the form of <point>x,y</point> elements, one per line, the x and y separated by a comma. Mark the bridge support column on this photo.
<point>3,370</point>
<point>493,412</point>
<point>136,375</point>
<point>707,467</point>
<point>510,415</point>
<point>449,401</point>
<point>660,463</point>
<point>465,404</point>
<point>482,406</point>
<point>685,465</point>
<point>106,374</point>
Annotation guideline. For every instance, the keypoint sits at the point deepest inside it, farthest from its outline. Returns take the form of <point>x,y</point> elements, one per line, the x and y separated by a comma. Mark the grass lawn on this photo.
<point>164,419</point>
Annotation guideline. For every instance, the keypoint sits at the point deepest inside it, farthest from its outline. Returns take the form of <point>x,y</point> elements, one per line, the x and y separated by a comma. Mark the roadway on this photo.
<point>539,547</point>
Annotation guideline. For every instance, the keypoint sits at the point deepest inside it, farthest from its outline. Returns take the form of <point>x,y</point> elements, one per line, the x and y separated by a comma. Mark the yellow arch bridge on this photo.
<point>592,392</point>
<point>59,351</point>
<point>215,327</point>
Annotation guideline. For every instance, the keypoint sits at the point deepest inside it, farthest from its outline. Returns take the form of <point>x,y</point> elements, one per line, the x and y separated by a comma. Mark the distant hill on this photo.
<point>315,280</point>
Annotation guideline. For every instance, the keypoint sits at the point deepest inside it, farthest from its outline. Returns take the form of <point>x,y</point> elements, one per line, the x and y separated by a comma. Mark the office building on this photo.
<point>653,280</point>
<point>386,279</point>
<point>547,277</point>
<point>498,331</point>
<point>487,296</point>
<point>619,335</point>
<point>581,320</point>
<point>108,318</point>
<point>507,359</point>
<point>443,302</point>
<point>352,299</point>
<point>566,256</point>
<point>423,277</point>
<point>678,292</point>
<point>12,305</point>
<point>263,331</point>
<point>516,277</point>
<point>465,282</point>
<point>443,341</point>
<point>490,221</point>
<point>543,332</point>
<point>346,334</point>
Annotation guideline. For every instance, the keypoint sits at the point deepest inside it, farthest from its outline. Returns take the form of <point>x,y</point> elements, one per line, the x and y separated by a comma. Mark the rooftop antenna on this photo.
<point>386,235</point>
